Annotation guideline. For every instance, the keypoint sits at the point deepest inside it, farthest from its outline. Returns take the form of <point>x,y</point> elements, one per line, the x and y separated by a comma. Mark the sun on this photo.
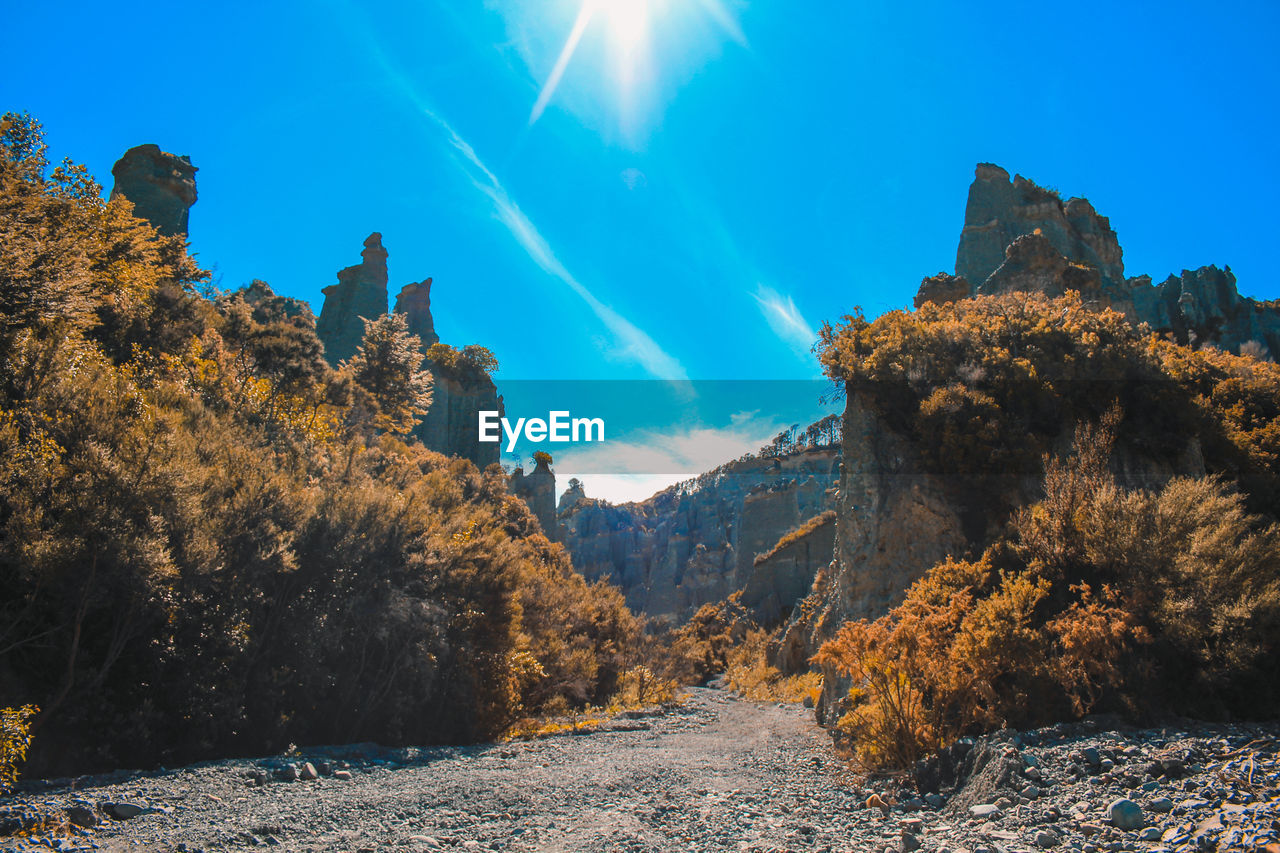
<point>627,23</point>
<point>631,27</point>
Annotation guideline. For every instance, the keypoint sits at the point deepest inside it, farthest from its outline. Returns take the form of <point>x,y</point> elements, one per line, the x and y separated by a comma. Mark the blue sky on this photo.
<point>710,179</point>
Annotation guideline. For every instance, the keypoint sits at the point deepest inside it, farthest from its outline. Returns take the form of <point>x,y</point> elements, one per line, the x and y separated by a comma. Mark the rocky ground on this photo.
<point>715,773</point>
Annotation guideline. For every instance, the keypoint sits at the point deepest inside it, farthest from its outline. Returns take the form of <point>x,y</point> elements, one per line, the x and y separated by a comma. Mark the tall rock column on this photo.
<point>414,302</point>
<point>539,491</point>
<point>361,291</point>
<point>162,187</point>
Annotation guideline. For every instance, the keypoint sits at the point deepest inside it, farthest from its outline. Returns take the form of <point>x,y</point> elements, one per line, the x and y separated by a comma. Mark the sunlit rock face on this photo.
<point>681,549</point>
<point>1021,237</point>
<point>162,187</point>
<point>999,211</point>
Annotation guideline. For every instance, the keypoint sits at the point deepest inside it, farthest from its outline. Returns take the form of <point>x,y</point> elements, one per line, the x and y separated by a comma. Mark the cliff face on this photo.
<point>1018,236</point>
<point>677,551</point>
<point>162,187</point>
<point>451,424</point>
<point>786,576</point>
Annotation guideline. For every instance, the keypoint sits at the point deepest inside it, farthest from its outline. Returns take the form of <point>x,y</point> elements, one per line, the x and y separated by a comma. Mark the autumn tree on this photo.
<point>388,365</point>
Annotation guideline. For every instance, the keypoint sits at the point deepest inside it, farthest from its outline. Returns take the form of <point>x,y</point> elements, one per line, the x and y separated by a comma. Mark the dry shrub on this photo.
<point>15,739</point>
<point>750,674</point>
<point>641,687</point>
<point>1101,598</point>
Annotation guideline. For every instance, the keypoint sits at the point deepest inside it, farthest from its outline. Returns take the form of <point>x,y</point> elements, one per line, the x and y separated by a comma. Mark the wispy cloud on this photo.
<point>785,318</point>
<point>632,342</point>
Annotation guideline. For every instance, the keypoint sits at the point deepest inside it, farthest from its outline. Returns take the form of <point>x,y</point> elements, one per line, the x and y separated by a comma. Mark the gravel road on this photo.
<point>715,773</point>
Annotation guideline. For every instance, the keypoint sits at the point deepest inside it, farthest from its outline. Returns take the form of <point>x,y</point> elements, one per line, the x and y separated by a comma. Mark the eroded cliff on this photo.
<point>681,549</point>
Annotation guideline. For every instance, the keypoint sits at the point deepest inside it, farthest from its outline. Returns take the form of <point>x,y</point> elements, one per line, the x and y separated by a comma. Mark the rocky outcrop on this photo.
<point>999,212</point>
<point>414,302</point>
<point>681,549</point>
<point>538,489</point>
<point>574,493</point>
<point>162,187</point>
<point>450,426</point>
<point>893,522</point>
<point>785,575</point>
<point>1020,237</point>
<point>943,288</point>
<point>360,294</point>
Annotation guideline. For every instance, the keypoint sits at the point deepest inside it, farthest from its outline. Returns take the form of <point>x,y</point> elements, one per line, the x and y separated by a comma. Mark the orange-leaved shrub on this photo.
<point>1100,598</point>
<point>212,543</point>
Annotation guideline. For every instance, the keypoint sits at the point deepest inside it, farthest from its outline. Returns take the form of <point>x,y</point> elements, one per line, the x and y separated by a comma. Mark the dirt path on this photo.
<point>715,774</point>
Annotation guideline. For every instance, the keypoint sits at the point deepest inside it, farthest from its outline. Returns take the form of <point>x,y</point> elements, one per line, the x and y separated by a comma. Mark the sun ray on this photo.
<point>562,62</point>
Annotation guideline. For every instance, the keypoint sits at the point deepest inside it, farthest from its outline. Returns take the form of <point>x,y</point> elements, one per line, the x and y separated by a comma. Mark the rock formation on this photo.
<point>538,489</point>
<point>998,212</point>
<point>450,426</point>
<point>414,302</point>
<point>162,187</point>
<point>361,292</point>
<point>1018,236</point>
<point>679,550</point>
<point>781,578</point>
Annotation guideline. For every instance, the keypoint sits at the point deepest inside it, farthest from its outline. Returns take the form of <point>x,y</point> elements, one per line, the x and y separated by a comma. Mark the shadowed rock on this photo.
<point>361,292</point>
<point>414,302</point>
<point>538,489</point>
<point>162,187</point>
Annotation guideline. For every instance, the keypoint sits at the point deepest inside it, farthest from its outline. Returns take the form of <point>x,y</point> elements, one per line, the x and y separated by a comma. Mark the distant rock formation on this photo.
<point>1018,236</point>
<point>162,187</point>
<point>361,292</point>
<point>786,575</point>
<point>414,302</point>
<point>538,489</point>
<point>678,550</point>
<point>450,426</point>
<point>572,495</point>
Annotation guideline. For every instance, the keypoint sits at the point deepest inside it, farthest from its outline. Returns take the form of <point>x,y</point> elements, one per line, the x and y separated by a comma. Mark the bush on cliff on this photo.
<point>1101,598</point>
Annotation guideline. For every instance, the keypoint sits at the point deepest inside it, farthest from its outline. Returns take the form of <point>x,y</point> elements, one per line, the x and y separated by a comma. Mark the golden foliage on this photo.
<point>750,674</point>
<point>190,497</point>
<point>1185,616</point>
<point>15,739</point>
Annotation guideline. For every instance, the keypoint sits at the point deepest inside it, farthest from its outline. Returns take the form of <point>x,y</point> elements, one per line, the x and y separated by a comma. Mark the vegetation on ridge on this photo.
<point>1147,594</point>
<point>211,543</point>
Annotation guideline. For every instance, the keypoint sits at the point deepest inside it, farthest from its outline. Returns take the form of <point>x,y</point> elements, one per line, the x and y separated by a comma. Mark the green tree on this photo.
<point>388,364</point>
